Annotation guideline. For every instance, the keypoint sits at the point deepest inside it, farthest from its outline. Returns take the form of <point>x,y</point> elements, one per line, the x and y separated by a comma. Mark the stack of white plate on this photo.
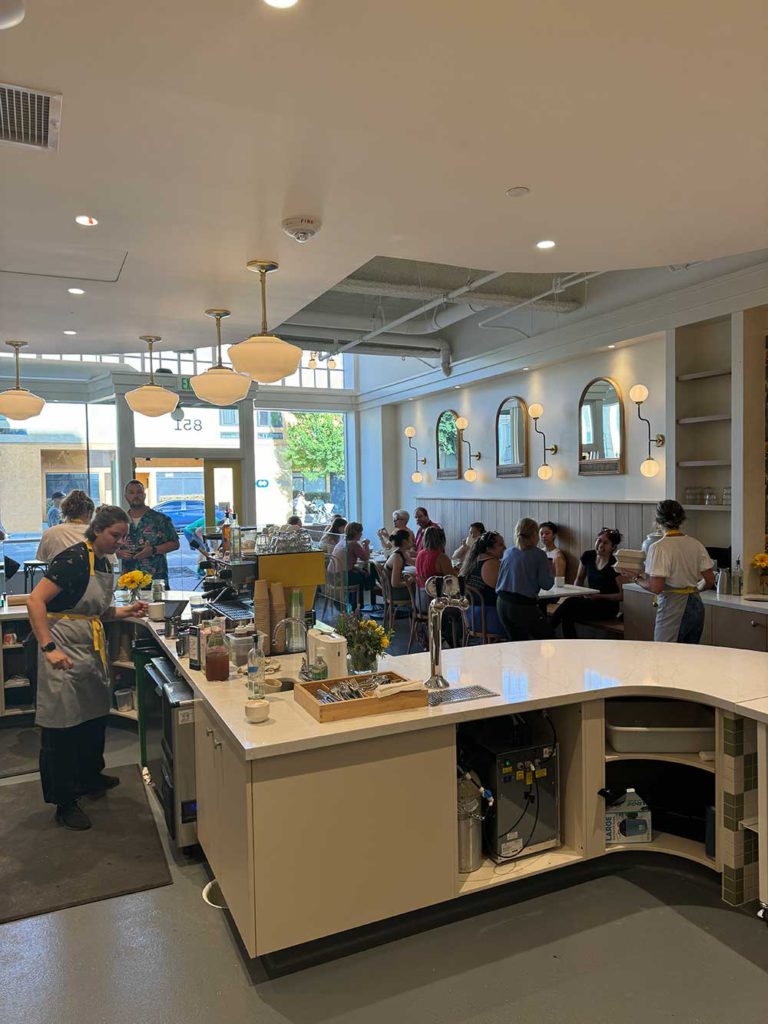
<point>630,561</point>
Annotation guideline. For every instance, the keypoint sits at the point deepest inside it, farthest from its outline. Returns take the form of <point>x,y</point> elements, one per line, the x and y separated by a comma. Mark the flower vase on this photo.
<point>134,596</point>
<point>360,662</point>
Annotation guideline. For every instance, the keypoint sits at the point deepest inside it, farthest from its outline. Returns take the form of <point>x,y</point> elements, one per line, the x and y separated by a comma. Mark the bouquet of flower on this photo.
<point>366,639</point>
<point>135,580</point>
<point>760,561</point>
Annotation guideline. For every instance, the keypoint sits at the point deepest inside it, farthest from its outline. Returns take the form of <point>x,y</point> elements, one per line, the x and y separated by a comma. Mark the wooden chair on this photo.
<point>419,621</point>
<point>391,603</point>
<point>477,610</point>
<point>339,591</point>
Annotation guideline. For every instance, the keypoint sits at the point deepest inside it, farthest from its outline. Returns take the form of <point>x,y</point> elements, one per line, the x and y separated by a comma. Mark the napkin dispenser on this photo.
<point>333,649</point>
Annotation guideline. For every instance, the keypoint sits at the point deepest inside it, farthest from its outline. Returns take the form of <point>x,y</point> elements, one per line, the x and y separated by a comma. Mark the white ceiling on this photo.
<point>190,129</point>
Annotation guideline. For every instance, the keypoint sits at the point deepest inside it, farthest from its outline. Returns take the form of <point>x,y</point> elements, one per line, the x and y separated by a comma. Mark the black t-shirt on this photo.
<point>603,580</point>
<point>71,571</point>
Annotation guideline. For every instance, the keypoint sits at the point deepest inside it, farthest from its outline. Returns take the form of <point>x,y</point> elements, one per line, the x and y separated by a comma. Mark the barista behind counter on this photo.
<point>674,568</point>
<point>66,610</point>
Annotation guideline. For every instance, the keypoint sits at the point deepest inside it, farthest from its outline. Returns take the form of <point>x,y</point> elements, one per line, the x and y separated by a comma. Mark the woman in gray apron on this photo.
<point>67,610</point>
<point>674,568</point>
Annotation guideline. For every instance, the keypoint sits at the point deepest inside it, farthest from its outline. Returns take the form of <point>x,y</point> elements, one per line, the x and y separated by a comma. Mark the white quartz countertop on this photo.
<point>743,604</point>
<point>522,676</point>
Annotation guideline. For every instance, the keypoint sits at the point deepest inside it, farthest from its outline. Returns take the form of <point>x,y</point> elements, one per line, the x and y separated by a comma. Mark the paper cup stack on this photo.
<point>629,562</point>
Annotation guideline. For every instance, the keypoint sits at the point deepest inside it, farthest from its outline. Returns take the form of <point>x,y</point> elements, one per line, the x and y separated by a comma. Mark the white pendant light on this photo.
<point>331,363</point>
<point>312,363</point>
<point>220,385</point>
<point>265,357</point>
<point>151,399</point>
<point>17,403</point>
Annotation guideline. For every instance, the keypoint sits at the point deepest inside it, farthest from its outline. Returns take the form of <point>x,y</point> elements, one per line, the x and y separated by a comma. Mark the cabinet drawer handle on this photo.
<point>209,732</point>
<point>753,623</point>
<point>217,744</point>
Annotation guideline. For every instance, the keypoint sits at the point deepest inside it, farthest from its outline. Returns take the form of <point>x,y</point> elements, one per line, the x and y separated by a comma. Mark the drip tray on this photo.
<point>437,697</point>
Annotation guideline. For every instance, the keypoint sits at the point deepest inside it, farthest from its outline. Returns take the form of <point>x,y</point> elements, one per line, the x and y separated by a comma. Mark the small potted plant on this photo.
<point>760,562</point>
<point>366,640</point>
<point>134,581</point>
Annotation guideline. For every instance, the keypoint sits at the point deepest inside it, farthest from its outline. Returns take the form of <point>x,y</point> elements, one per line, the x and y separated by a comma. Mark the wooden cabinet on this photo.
<point>732,627</point>
<point>639,614</point>
<point>225,819</point>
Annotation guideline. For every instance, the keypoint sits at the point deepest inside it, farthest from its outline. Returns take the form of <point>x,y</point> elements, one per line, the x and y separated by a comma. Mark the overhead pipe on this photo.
<point>569,281</point>
<point>403,290</point>
<point>414,313</point>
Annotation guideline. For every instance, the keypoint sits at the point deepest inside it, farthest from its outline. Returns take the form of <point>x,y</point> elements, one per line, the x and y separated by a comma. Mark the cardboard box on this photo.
<point>628,821</point>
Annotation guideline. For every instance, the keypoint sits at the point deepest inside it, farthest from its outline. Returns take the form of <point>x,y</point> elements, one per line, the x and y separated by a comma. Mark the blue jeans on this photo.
<point>692,624</point>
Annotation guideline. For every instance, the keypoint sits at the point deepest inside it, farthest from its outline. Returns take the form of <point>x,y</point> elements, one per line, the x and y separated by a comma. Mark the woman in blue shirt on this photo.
<point>524,572</point>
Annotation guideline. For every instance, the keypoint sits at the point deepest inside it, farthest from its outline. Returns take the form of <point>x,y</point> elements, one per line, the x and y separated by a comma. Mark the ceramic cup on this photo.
<point>559,581</point>
<point>257,710</point>
<point>156,611</point>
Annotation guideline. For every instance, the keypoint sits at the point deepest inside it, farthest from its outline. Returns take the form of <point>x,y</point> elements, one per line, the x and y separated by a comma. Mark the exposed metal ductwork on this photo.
<point>424,293</point>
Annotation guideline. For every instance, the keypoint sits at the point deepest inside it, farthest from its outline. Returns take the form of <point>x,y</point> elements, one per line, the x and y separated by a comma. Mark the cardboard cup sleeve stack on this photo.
<point>276,613</point>
<point>261,613</point>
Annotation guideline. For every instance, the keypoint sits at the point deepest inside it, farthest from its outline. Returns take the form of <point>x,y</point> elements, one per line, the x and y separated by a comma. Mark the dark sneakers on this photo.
<point>72,817</point>
<point>100,785</point>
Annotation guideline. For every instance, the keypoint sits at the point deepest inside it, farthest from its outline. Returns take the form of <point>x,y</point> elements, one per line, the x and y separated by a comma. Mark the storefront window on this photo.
<point>300,466</point>
<point>68,446</point>
<point>196,428</point>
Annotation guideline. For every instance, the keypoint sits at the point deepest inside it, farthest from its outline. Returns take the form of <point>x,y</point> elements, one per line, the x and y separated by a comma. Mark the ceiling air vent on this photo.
<point>29,117</point>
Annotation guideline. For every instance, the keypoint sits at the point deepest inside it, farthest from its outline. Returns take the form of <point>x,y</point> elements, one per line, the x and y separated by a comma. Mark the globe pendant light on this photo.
<point>18,403</point>
<point>150,399</point>
<point>265,357</point>
<point>220,385</point>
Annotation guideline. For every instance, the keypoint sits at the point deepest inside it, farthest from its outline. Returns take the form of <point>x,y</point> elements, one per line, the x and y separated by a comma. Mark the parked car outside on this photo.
<point>181,511</point>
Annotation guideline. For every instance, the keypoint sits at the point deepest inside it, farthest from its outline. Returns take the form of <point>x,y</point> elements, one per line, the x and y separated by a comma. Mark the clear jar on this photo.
<point>216,657</point>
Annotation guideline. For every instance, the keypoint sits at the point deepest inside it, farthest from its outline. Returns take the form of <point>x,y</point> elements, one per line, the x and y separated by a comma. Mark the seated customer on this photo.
<point>596,571</point>
<point>548,538</point>
<point>397,561</point>
<point>351,558</point>
<point>481,572</point>
<point>332,534</point>
<point>424,522</point>
<point>475,530</point>
<point>432,559</point>
<point>400,519</point>
<point>524,572</point>
<point>294,522</point>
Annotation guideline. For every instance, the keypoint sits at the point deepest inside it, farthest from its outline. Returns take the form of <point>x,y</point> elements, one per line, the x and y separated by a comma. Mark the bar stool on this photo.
<point>31,566</point>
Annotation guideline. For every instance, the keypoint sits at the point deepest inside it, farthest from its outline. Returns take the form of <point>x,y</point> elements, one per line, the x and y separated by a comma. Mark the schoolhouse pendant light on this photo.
<point>220,385</point>
<point>150,399</point>
<point>17,403</point>
<point>265,357</point>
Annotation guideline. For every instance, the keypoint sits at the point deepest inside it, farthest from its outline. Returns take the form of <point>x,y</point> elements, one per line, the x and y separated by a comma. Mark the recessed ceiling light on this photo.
<point>456,387</point>
<point>281,3</point>
<point>86,221</point>
<point>70,332</point>
<point>76,291</point>
<point>546,243</point>
<point>525,368</point>
<point>611,346</point>
<point>517,191</point>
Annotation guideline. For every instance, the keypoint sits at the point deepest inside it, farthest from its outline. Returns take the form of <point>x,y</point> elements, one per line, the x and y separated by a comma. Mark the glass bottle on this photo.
<point>737,579</point>
<point>257,673</point>
<point>216,656</point>
<point>235,540</point>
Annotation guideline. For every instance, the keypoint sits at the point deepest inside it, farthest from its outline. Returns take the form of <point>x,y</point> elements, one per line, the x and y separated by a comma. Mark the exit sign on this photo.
<point>186,384</point>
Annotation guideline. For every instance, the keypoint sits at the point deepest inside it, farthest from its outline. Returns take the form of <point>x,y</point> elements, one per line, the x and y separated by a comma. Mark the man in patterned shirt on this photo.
<point>151,535</point>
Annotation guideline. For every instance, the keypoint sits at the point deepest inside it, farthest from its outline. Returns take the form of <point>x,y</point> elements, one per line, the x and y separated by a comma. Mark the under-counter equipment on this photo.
<point>516,758</point>
<point>171,748</point>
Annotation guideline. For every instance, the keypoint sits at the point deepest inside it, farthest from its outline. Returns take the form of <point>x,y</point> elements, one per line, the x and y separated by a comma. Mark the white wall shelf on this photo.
<point>703,375</point>
<point>707,508</point>
<point>716,417</point>
<point>696,463</point>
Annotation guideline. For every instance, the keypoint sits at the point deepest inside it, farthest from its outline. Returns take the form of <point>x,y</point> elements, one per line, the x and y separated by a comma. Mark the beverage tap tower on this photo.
<point>446,592</point>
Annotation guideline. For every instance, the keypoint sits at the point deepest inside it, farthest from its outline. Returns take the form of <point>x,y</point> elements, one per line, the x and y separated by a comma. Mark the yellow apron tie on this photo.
<point>99,635</point>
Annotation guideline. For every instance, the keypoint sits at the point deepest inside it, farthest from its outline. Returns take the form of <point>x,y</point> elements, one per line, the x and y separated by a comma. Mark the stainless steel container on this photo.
<point>182,645</point>
<point>723,582</point>
<point>470,827</point>
<point>171,629</point>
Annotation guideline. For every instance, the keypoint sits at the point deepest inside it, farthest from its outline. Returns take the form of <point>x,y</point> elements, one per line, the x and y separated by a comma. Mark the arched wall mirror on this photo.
<point>448,443</point>
<point>601,429</point>
<point>512,438</point>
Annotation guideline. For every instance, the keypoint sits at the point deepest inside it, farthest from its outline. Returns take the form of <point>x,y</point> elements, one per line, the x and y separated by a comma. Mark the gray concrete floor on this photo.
<point>649,944</point>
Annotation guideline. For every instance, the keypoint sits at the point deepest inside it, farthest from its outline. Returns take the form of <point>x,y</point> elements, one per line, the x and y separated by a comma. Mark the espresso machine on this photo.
<point>229,590</point>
